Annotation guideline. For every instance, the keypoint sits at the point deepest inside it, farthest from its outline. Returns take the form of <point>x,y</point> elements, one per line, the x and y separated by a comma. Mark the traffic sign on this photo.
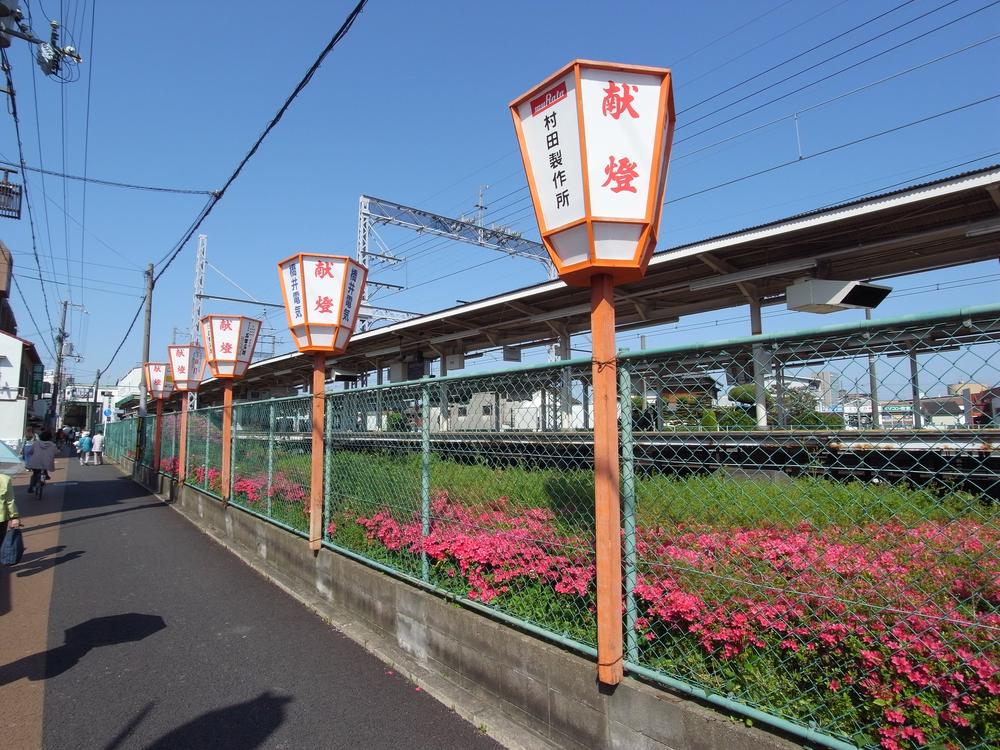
<point>108,412</point>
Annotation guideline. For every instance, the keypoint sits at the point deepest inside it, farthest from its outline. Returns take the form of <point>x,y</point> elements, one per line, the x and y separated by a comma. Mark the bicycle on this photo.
<point>39,484</point>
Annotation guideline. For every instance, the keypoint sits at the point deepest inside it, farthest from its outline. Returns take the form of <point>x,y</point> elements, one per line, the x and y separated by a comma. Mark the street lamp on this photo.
<point>187,365</point>
<point>595,140</point>
<point>322,295</point>
<point>229,342</point>
<point>160,383</point>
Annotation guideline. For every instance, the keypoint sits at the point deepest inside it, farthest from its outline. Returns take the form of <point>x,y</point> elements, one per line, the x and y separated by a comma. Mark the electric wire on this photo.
<point>799,55</point>
<point>31,316</point>
<point>832,149</point>
<point>86,140</point>
<point>20,150</point>
<point>169,258</point>
<point>826,77</point>
<point>113,183</point>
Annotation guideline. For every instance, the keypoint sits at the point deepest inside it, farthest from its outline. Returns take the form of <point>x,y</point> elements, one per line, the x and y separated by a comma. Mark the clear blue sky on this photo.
<point>412,106</point>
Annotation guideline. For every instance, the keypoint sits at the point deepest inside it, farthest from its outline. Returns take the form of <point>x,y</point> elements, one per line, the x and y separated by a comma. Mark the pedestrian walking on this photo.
<point>84,446</point>
<point>42,458</point>
<point>8,508</point>
<point>97,449</point>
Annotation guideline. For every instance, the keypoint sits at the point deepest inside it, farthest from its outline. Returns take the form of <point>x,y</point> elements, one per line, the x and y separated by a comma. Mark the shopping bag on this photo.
<point>12,547</point>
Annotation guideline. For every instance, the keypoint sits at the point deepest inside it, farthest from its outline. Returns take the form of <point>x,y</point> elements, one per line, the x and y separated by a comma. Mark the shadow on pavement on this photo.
<point>77,519</point>
<point>242,726</point>
<point>38,562</point>
<point>79,640</point>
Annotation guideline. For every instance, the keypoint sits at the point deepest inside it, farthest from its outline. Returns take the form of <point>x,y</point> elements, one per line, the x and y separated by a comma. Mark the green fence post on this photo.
<point>425,474</point>
<point>628,508</point>
<point>232,451</point>
<point>327,467</point>
<point>270,453</point>
<point>208,437</point>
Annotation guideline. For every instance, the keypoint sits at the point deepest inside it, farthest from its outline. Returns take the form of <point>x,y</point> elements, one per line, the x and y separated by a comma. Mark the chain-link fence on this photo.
<point>169,443</point>
<point>204,450</point>
<point>271,459</point>
<point>809,520</point>
<point>480,486</point>
<point>119,440</point>
<point>811,526</point>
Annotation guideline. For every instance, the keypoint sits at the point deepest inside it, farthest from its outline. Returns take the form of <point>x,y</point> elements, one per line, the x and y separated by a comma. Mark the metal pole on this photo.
<point>607,502</point>
<point>157,435</point>
<point>566,383</point>
<point>145,336</point>
<point>628,510</point>
<point>182,441</point>
<point>57,378</point>
<point>425,475</point>
<point>270,452</point>
<point>208,438</point>
<point>759,366</point>
<point>316,465</point>
<point>327,468</point>
<point>918,420</point>
<point>227,441</point>
<point>92,417</point>
<point>873,385</point>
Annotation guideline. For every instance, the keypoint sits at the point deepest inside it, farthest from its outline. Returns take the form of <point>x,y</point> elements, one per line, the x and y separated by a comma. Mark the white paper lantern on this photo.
<point>595,141</point>
<point>187,365</point>
<point>159,380</point>
<point>229,343</point>
<point>322,298</point>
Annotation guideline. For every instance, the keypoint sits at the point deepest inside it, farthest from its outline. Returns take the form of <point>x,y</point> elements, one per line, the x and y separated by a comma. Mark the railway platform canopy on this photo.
<point>948,222</point>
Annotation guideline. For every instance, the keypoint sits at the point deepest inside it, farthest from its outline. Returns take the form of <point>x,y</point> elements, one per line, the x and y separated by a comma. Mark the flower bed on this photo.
<point>885,634</point>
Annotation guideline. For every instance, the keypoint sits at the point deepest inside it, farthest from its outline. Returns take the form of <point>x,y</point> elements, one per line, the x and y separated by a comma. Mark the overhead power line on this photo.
<point>216,196</point>
<point>830,150</point>
<point>31,316</point>
<point>110,183</point>
<point>795,57</point>
<point>825,77</point>
<point>20,150</point>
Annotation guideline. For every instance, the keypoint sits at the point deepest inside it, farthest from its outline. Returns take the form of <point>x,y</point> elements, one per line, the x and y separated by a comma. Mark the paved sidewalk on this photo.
<point>159,638</point>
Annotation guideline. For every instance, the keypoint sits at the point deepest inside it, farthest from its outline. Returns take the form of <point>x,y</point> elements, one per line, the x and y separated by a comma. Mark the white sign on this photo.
<point>551,131</point>
<point>159,380</point>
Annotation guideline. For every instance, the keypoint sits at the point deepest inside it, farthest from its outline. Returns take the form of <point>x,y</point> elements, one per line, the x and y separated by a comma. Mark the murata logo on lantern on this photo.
<point>595,140</point>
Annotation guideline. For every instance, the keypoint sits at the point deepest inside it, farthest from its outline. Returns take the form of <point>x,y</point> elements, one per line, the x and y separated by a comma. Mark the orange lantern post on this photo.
<point>187,365</point>
<point>595,141</point>
<point>229,342</point>
<point>160,384</point>
<point>322,295</point>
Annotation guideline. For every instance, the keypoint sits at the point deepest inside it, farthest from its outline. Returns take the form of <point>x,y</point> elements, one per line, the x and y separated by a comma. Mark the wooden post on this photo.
<point>227,441</point>
<point>316,473</point>
<point>183,438</point>
<point>607,510</point>
<point>158,431</point>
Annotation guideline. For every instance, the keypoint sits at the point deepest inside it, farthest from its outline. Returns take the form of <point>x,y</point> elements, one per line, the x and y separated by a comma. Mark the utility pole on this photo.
<point>145,337</point>
<point>57,378</point>
<point>92,421</point>
<point>199,287</point>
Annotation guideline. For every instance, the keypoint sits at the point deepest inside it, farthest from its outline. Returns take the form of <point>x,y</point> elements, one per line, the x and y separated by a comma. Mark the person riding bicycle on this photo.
<point>42,458</point>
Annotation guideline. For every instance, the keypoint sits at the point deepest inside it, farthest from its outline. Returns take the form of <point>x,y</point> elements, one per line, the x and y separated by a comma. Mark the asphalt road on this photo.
<point>159,638</point>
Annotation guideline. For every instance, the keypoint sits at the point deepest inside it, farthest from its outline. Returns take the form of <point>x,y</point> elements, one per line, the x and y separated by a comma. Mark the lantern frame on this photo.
<point>300,326</point>
<point>163,392</point>
<point>239,366</point>
<point>190,381</point>
<point>622,270</point>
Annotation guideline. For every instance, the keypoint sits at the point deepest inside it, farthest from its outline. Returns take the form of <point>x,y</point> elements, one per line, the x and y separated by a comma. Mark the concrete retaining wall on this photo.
<point>524,691</point>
